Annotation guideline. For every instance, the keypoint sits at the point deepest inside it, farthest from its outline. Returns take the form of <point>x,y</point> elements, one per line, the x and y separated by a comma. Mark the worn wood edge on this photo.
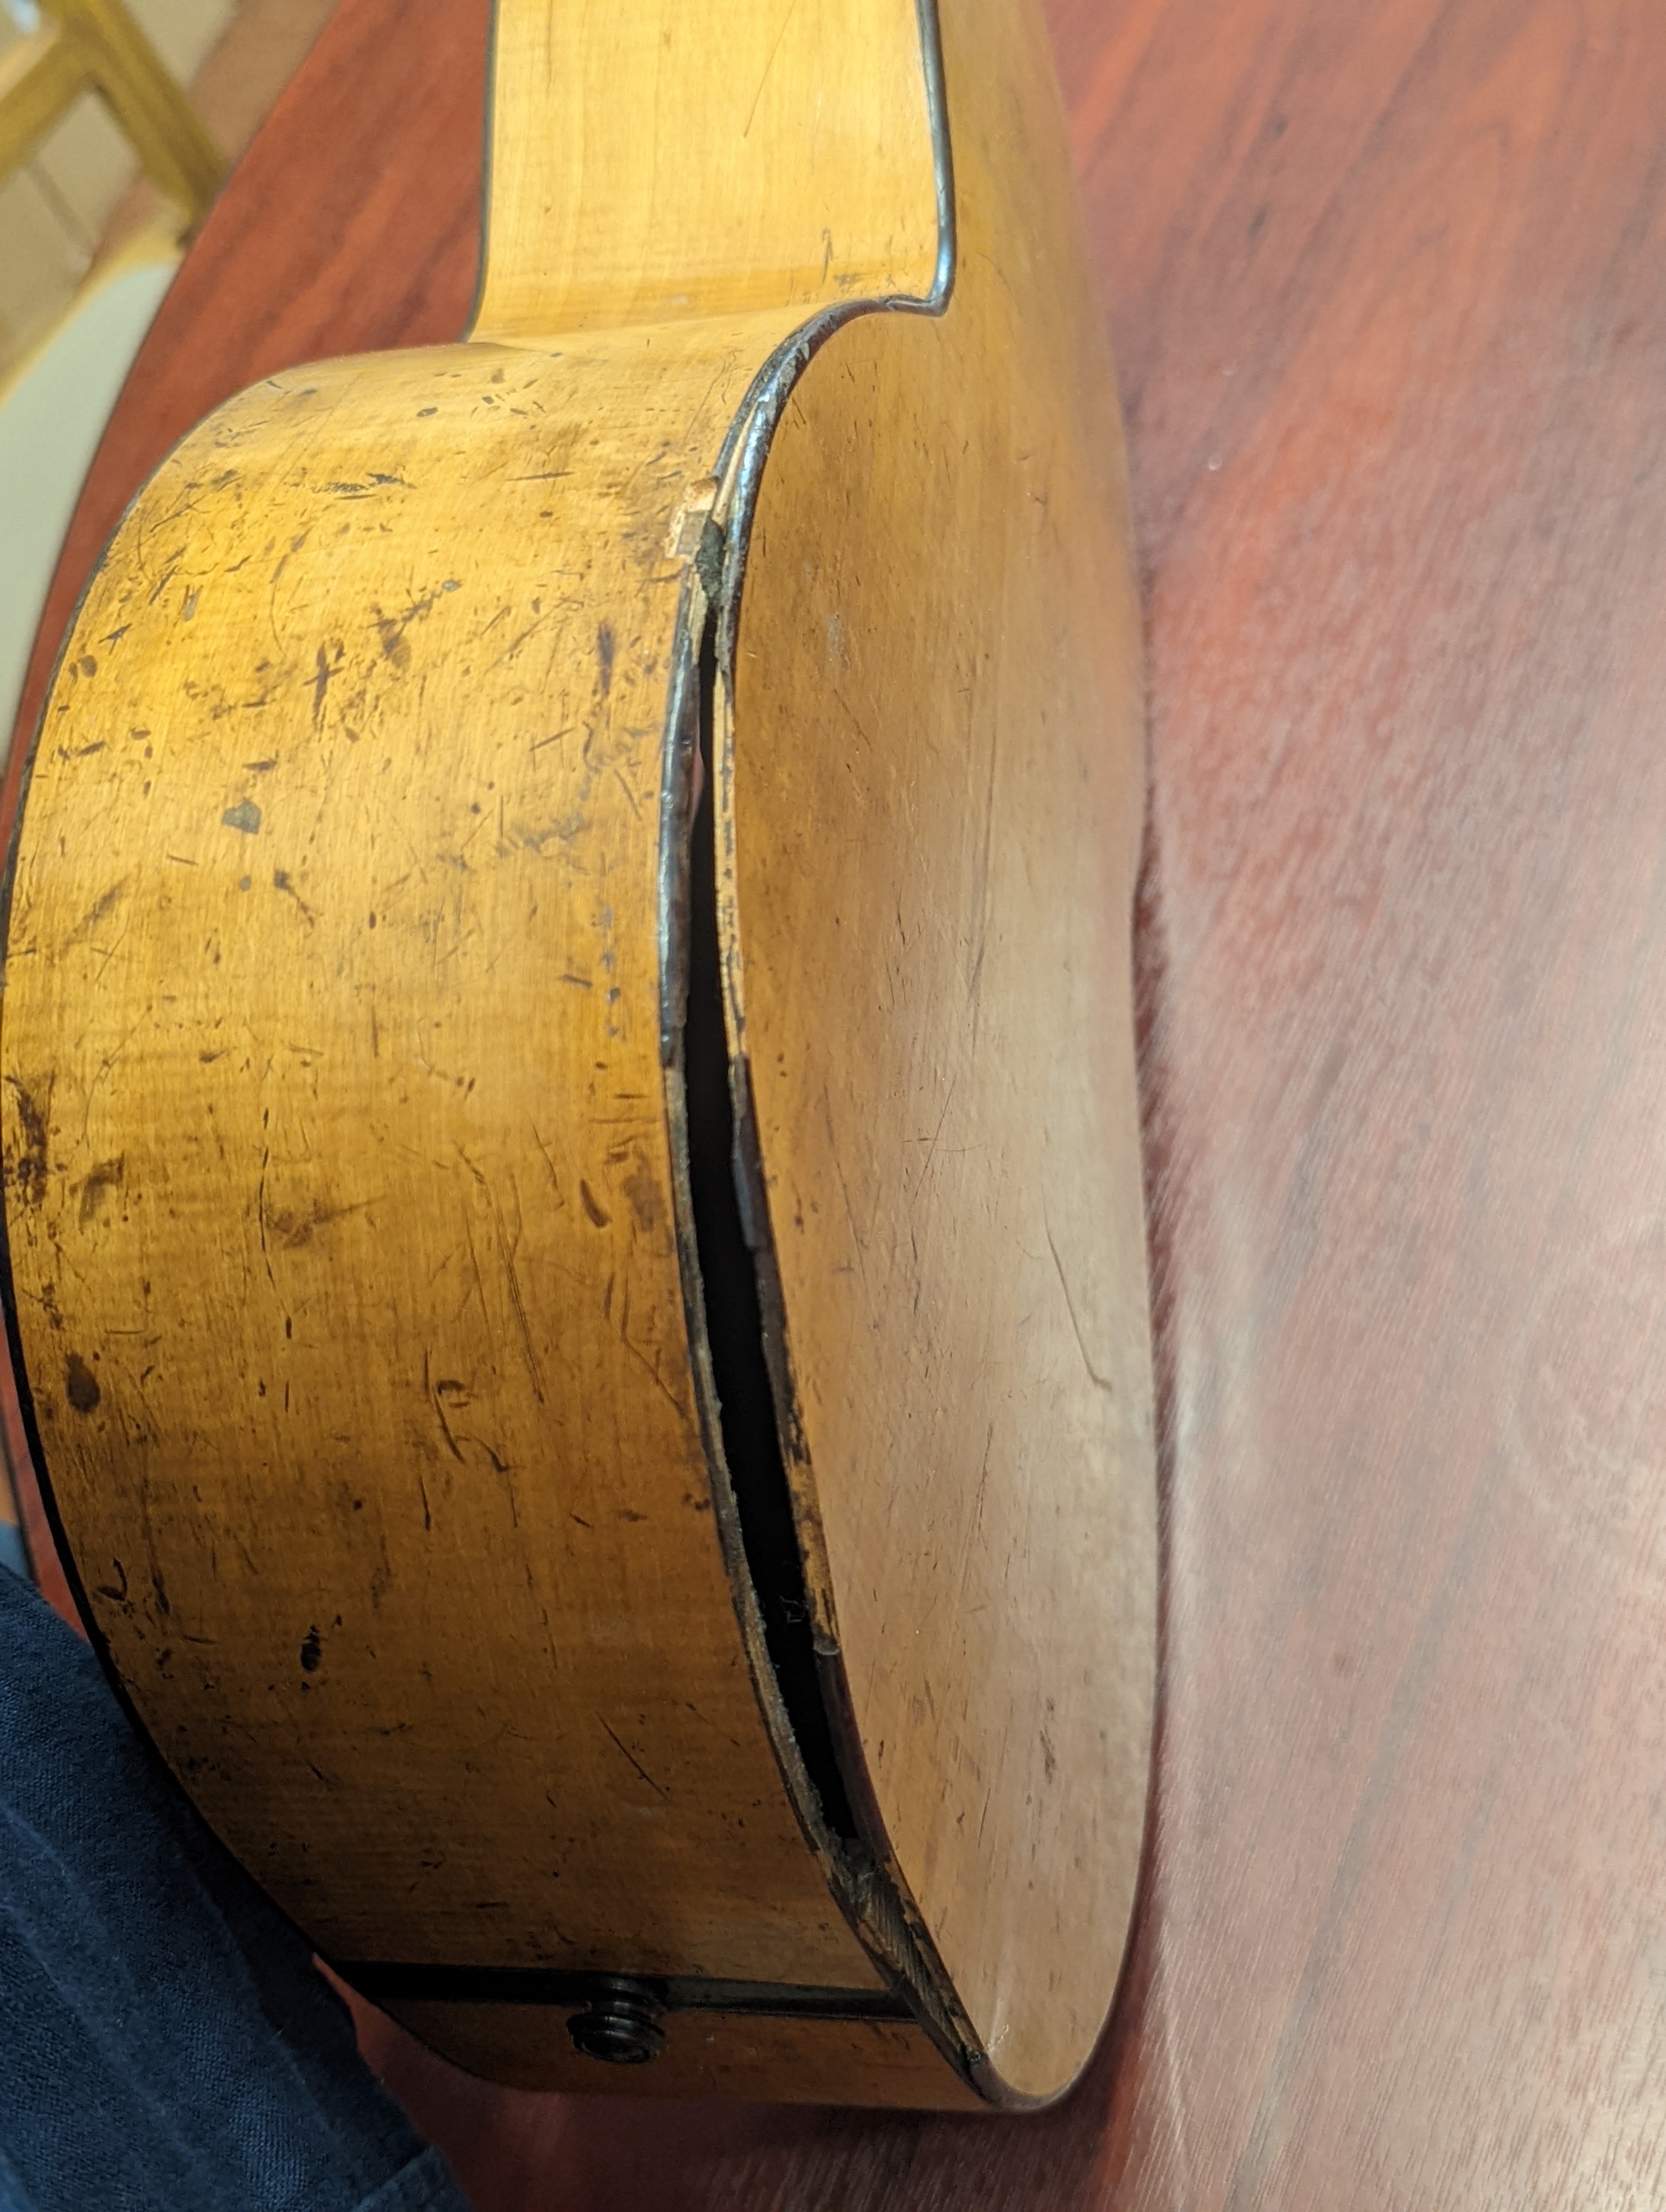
<point>835,2035</point>
<point>867,1886</point>
<point>387,1980</point>
<point>865,1881</point>
<point>875,1915</point>
<point>603,1957</point>
<point>867,2063</point>
<point>887,1909</point>
<point>868,1882</point>
<point>15,778</point>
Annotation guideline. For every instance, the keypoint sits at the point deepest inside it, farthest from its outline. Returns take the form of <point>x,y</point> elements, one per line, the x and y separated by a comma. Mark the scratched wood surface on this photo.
<point>352,1234</point>
<point>813,175</point>
<point>927,663</point>
<point>255,1071</point>
<point>1384,286</point>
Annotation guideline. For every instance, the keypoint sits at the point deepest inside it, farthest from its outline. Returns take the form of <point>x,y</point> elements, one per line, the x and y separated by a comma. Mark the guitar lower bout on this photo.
<point>572,1214</point>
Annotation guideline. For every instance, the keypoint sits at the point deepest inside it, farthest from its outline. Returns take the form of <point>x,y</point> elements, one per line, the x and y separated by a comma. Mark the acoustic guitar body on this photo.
<point>572,1186</point>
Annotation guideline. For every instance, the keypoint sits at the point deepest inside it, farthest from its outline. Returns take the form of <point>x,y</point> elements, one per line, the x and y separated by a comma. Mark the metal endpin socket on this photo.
<point>620,2023</point>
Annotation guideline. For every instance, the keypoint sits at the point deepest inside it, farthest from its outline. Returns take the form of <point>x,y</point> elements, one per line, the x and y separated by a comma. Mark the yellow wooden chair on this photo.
<point>95,45</point>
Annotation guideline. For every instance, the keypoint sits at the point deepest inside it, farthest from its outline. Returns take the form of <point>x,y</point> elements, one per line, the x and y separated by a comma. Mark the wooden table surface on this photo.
<point>1386,283</point>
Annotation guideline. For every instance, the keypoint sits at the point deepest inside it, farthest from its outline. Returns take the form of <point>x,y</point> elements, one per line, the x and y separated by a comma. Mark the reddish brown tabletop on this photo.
<point>1388,288</point>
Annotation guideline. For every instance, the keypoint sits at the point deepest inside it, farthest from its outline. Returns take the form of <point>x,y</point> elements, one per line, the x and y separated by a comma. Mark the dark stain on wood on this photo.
<point>103,1178</point>
<point>598,1215</point>
<point>29,1175</point>
<point>80,1384</point>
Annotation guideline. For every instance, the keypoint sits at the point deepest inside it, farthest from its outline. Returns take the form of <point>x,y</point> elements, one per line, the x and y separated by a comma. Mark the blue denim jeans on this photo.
<point>165,2044</point>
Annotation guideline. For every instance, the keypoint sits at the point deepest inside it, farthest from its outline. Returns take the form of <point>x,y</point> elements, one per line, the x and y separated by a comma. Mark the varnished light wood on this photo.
<point>657,161</point>
<point>934,789</point>
<point>407,811</point>
<point>352,1225</point>
<point>390,125</point>
<point>1384,288</point>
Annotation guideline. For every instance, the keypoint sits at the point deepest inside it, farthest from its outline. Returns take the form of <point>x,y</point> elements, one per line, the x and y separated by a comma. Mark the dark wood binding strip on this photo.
<point>394,1983</point>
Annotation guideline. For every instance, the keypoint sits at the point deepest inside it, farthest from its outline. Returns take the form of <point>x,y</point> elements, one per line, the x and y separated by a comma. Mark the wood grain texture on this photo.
<point>373,130</point>
<point>792,163</point>
<point>282,985</point>
<point>933,792</point>
<point>1384,290</point>
<point>340,1202</point>
<point>355,1237</point>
